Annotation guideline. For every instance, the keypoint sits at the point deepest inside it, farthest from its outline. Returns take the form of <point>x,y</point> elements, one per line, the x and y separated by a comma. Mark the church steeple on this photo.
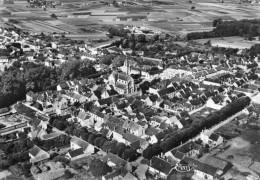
<point>127,66</point>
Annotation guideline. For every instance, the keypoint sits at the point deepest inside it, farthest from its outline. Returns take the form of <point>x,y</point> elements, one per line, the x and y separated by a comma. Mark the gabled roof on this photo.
<point>161,165</point>
<point>200,166</point>
<point>131,137</point>
<point>82,115</point>
<point>35,150</point>
<point>76,152</point>
<point>80,142</point>
<point>119,162</point>
<point>215,162</point>
<point>64,86</point>
<point>166,91</point>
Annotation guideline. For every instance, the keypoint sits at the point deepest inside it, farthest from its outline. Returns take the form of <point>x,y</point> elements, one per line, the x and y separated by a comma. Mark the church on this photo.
<point>122,81</point>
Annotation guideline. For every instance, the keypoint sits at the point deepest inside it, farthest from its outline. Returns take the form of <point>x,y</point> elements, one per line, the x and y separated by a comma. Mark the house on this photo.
<point>203,170</point>
<point>75,154</point>
<point>151,132</point>
<point>216,162</point>
<point>212,139</point>
<point>190,149</point>
<point>134,128</point>
<point>61,104</point>
<point>151,100</point>
<point>63,86</point>
<point>160,167</point>
<point>37,154</point>
<point>167,91</point>
<point>113,160</point>
<point>77,143</point>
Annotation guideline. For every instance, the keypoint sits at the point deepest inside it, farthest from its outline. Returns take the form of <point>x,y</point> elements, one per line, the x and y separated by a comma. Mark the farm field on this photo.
<point>92,19</point>
<point>232,42</point>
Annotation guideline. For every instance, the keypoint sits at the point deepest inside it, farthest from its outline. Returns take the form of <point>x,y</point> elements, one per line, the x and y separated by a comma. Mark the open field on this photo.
<point>232,42</point>
<point>93,19</point>
<point>243,150</point>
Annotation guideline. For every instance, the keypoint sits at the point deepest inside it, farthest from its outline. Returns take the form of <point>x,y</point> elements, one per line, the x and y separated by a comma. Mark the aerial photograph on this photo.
<point>129,89</point>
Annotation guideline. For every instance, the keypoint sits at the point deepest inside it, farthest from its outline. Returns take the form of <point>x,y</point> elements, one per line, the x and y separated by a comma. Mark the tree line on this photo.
<point>243,28</point>
<point>176,138</point>
<point>16,82</point>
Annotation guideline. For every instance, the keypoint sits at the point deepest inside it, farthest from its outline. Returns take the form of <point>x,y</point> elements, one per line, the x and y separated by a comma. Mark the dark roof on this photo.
<point>215,162</point>
<point>35,150</point>
<point>76,152</point>
<point>161,165</point>
<point>153,98</point>
<point>166,91</point>
<point>200,166</point>
<point>214,137</point>
<point>131,137</point>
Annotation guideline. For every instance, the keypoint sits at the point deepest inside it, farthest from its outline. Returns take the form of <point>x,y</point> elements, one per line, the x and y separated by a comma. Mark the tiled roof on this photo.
<point>76,152</point>
<point>200,166</point>
<point>214,137</point>
<point>35,150</point>
<point>161,165</point>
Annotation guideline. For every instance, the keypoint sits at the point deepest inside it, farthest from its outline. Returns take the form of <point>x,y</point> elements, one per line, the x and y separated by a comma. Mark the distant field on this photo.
<point>232,42</point>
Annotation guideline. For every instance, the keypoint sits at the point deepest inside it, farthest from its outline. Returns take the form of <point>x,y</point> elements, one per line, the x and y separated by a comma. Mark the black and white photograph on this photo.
<point>129,89</point>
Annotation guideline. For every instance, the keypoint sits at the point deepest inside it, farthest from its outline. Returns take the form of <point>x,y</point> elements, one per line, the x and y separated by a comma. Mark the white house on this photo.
<point>210,138</point>
<point>77,143</point>
<point>37,154</point>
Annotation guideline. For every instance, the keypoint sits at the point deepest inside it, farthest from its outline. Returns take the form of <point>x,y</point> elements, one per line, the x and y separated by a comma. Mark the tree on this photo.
<point>217,22</point>
<point>97,141</point>
<point>68,174</point>
<point>192,8</point>
<point>99,168</point>
<point>54,16</point>
<point>148,152</point>
<point>60,125</point>
<point>129,154</point>
<point>85,136</point>
<point>121,150</point>
<point>141,38</point>
<point>91,138</point>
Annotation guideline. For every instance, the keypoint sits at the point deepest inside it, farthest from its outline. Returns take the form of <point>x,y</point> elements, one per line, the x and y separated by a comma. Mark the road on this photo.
<point>214,128</point>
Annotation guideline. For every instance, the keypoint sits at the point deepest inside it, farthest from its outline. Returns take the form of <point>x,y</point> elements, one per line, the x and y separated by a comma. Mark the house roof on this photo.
<point>161,165</point>
<point>114,159</point>
<point>80,142</point>
<point>151,131</point>
<point>215,162</point>
<point>76,152</point>
<point>64,86</point>
<point>82,115</point>
<point>131,137</point>
<point>35,150</point>
<point>166,91</point>
<point>200,166</point>
<point>214,137</point>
